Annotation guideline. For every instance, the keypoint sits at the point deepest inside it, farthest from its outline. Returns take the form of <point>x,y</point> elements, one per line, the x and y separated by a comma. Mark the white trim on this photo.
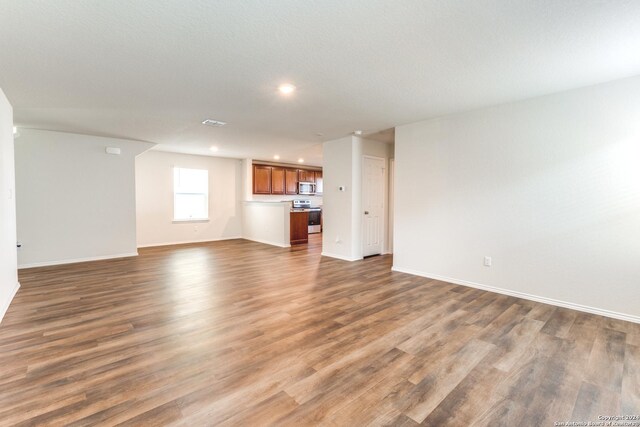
<point>186,242</point>
<point>385,195</point>
<point>189,220</point>
<point>5,307</point>
<point>545,300</point>
<point>76,260</point>
<point>391,195</point>
<point>267,242</point>
<point>344,258</point>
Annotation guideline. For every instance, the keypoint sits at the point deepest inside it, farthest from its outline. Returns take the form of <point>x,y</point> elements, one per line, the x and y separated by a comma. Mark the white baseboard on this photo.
<point>344,258</point>
<point>5,306</point>
<point>267,242</point>
<point>76,260</point>
<point>545,300</point>
<point>186,242</point>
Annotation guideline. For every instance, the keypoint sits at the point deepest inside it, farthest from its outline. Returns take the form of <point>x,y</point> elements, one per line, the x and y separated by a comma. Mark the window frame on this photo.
<point>176,193</point>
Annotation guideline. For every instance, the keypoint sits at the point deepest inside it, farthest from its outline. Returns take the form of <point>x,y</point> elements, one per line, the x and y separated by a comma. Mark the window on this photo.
<point>190,194</point>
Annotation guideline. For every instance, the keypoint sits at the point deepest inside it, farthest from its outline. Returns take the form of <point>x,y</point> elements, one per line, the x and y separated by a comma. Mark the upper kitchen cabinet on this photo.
<point>306,176</point>
<point>291,181</point>
<point>277,180</point>
<point>319,182</point>
<point>280,179</point>
<point>261,179</point>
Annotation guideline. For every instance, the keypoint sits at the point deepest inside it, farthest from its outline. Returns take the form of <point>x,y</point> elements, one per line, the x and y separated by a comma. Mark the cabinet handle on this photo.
<point>366,212</point>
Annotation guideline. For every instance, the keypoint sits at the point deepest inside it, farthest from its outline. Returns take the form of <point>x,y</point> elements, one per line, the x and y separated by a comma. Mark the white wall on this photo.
<point>154,199</point>
<point>267,222</point>
<point>8,258</point>
<point>342,210</point>
<point>342,230</point>
<point>549,188</point>
<point>74,201</point>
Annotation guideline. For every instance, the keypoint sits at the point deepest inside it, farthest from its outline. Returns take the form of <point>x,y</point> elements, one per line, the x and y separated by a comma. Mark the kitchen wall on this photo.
<point>549,188</point>
<point>74,201</point>
<point>267,223</point>
<point>154,199</point>
<point>8,260</point>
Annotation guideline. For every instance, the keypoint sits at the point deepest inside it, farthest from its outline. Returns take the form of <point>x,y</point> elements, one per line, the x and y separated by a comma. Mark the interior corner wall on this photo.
<point>548,187</point>
<point>342,210</point>
<point>247,179</point>
<point>74,201</point>
<point>154,199</point>
<point>340,231</point>
<point>8,258</point>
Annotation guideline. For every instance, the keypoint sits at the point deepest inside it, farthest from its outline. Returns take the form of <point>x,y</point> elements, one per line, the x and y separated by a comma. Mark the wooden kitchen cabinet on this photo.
<point>291,181</point>
<point>280,179</point>
<point>319,182</point>
<point>261,179</point>
<point>299,228</point>
<point>277,180</point>
<point>306,176</point>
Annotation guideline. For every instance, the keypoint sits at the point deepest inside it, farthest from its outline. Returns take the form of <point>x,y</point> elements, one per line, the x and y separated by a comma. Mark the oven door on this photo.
<point>315,221</point>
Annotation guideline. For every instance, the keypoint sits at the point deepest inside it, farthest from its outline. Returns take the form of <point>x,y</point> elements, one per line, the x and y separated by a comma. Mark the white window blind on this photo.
<point>190,194</point>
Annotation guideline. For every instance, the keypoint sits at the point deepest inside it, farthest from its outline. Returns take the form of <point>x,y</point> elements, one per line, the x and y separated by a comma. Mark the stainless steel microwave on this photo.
<point>307,188</point>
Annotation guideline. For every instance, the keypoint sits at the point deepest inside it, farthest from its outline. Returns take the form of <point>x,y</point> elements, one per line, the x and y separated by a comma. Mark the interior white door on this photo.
<point>373,190</point>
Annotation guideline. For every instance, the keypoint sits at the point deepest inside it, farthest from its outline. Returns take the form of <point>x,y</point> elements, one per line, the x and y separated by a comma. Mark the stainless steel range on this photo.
<point>315,214</point>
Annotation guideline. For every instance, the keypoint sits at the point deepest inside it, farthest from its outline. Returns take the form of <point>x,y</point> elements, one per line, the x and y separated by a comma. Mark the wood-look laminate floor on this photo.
<point>240,333</point>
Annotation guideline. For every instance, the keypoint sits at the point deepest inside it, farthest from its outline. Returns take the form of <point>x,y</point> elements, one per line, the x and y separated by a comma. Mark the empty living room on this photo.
<point>335,213</point>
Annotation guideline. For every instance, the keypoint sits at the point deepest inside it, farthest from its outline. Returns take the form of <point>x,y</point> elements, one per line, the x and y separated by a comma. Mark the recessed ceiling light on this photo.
<point>286,88</point>
<point>357,132</point>
<point>300,160</point>
<point>213,148</point>
<point>276,157</point>
<point>214,123</point>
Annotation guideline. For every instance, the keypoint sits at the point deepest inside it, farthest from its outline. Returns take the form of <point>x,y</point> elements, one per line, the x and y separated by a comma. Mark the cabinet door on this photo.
<point>319,182</point>
<point>291,181</point>
<point>305,176</point>
<point>277,180</point>
<point>261,179</point>
<point>299,227</point>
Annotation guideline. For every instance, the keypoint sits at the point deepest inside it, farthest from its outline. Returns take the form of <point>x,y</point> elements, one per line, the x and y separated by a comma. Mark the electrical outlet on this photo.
<point>487,261</point>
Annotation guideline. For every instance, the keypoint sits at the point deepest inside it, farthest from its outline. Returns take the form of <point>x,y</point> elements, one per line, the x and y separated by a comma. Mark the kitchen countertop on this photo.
<point>313,208</point>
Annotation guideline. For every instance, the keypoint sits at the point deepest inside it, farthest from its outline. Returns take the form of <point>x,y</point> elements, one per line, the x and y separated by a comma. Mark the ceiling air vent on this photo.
<point>214,123</point>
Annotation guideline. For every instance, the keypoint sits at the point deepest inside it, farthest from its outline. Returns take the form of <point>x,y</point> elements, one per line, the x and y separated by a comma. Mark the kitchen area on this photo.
<point>285,203</point>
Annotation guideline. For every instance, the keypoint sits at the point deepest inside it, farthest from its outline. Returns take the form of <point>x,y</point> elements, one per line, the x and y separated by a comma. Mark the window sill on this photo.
<point>181,221</point>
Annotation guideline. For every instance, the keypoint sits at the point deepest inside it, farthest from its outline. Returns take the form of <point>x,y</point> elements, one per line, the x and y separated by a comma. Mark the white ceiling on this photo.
<point>153,70</point>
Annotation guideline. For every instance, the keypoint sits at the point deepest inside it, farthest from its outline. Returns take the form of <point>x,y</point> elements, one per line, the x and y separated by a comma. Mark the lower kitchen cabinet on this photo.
<point>299,227</point>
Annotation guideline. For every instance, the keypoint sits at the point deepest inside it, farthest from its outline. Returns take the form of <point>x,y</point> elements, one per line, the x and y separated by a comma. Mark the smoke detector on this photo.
<point>214,123</point>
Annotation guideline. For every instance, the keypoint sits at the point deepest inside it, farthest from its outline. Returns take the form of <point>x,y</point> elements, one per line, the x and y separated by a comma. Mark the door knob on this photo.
<point>366,212</point>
